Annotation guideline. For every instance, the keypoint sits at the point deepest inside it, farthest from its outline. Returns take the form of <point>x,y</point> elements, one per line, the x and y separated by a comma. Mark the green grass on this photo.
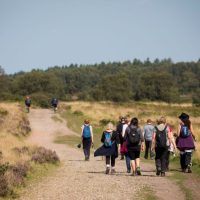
<point>146,194</point>
<point>56,119</point>
<point>71,140</point>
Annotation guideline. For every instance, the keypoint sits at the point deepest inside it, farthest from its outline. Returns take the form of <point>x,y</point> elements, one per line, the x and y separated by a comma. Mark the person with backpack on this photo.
<point>54,103</point>
<point>87,138</point>
<point>162,138</point>
<point>185,142</point>
<point>109,149</point>
<point>119,130</point>
<point>123,146</point>
<point>148,132</point>
<point>135,143</point>
<point>28,103</point>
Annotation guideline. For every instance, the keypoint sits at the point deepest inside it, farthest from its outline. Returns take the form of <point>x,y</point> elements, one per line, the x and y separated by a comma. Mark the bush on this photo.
<point>4,189</point>
<point>3,112</point>
<point>23,150</point>
<point>19,171</point>
<point>42,155</point>
<point>24,126</point>
<point>77,112</point>
<point>41,99</point>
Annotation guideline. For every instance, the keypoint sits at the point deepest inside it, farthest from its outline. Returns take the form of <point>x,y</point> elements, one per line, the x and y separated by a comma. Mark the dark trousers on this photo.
<point>128,162</point>
<point>86,146</point>
<point>161,156</point>
<point>148,149</point>
<point>185,159</point>
<point>112,159</point>
<point>167,159</point>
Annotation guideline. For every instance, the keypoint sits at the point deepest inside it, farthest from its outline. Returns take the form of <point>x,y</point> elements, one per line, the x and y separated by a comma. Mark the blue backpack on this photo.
<point>108,141</point>
<point>185,132</point>
<point>86,132</point>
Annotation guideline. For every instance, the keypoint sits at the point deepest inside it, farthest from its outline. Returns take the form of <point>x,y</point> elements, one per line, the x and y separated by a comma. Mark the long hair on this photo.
<point>134,121</point>
<point>186,122</point>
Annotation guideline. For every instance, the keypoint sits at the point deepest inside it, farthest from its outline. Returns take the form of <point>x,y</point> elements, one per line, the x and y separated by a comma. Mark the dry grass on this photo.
<point>97,111</point>
<point>10,128</point>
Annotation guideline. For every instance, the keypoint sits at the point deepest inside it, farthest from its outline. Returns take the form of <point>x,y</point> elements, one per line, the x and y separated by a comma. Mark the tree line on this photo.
<point>161,80</point>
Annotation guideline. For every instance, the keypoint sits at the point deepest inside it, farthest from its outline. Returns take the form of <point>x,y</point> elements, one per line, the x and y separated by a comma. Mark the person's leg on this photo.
<point>151,152</point>
<point>133,167</point>
<point>113,164</point>
<point>107,164</point>
<point>88,146</point>
<point>163,161</point>
<point>158,161</point>
<point>167,160</point>
<point>146,149</point>
<point>128,164</point>
<point>182,161</point>
<point>188,161</point>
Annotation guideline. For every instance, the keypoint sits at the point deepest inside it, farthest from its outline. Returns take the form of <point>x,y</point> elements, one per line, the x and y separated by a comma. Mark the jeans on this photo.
<point>161,158</point>
<point>112,159</point>
<point>128,162</point>
<point>86,147</point>
<point>147,149</point>
<point>185,159</point>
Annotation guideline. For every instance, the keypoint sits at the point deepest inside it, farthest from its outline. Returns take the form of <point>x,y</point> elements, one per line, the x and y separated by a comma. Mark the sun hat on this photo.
<point>184,116</point>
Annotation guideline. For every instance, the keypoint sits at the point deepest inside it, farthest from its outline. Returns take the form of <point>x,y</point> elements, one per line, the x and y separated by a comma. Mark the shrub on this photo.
<point>24,126</point>
<point>42,155</point>
<point>19,171</point>
<point>41,99</point>
<point>3,112</point>
<point>4,189</point>
<point>23,150</point>
<point>78,112</point>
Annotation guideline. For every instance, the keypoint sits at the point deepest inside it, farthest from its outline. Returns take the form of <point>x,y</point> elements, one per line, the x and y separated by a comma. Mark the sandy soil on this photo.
<point>79,179</point>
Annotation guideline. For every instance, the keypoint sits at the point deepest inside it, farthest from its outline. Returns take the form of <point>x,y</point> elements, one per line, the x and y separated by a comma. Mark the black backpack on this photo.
<point>161,138</point>
<point>133,136</point>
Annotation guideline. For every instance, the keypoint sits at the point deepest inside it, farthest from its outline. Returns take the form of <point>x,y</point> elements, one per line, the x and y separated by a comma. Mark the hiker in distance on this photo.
<point>54,104</point>
<point>110,140</point>
<point>162,138</point>
<point>135,143</point>
<point>27,103</point>
<point>185,142</point>
<point>87,138</point>
<point>148,132</point>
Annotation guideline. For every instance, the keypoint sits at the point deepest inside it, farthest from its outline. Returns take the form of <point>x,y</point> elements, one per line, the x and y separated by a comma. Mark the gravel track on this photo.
<point>83,180</point>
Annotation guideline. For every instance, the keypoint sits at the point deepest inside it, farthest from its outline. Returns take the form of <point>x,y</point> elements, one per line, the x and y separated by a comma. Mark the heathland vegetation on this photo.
<point>19,161</point>
<point>161,80</point>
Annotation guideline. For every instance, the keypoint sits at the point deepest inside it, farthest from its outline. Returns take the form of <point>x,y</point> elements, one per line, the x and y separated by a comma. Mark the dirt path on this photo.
<point>78,179</point>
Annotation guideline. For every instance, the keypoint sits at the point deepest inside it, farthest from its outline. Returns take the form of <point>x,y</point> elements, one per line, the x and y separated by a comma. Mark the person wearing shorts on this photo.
<point>134,145</point>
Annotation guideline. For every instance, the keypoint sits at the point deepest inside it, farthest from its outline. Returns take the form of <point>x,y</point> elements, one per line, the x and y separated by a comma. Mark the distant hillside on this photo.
<point>161,80</point>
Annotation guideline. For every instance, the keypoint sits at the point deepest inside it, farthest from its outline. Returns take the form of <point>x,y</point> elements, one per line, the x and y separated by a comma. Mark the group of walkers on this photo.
<point>28,102</point>
<point>129,139</point>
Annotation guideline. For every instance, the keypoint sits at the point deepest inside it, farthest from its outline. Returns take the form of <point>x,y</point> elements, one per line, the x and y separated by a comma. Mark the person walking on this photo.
<point>119,130</point>
<point>135,143</point>
<point>109,149</point>
<point>54,104</point>
<point>123,146</point>
<point>87,138</point>
<point>162,137</point>
<point>27,103</point>
<point>185,142</point>
<point>148,133</point>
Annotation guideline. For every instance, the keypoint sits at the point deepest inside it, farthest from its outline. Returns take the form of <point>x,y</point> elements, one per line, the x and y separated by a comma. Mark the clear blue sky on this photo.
<point>44,33</point>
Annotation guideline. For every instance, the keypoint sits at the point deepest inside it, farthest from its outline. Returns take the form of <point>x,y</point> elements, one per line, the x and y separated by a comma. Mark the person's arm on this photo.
<point>192,131</point>
<point>153,141</point>
<point>103,137</point>
<point>91,130</point>
<point>142,139</point>
<point>171,139</point>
